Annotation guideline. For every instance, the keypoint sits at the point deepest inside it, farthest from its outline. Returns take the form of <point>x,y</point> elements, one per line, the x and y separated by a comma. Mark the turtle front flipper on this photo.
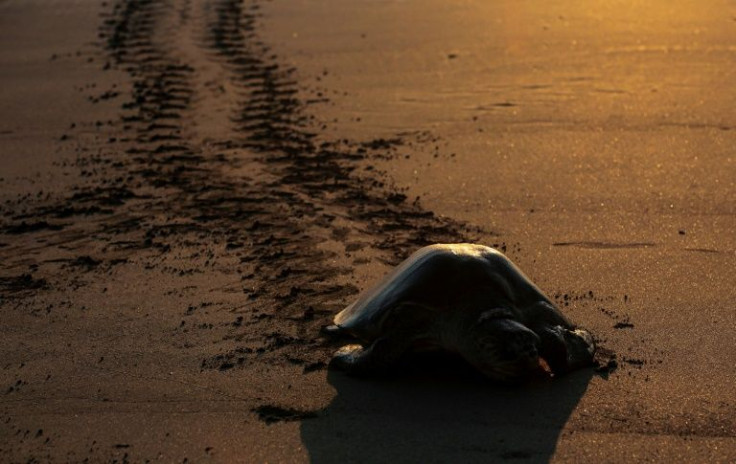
<point>376,360</point>
<point>566,350</point>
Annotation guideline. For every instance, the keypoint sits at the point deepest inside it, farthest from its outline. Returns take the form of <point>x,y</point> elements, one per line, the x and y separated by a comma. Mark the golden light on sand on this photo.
<point>191,190</point>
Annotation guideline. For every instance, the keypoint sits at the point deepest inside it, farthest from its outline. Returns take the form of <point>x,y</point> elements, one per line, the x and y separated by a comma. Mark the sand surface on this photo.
<point>190,190</point>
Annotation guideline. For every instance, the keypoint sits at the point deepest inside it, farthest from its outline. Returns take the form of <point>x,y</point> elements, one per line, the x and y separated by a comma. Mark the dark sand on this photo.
<point>191,189</point>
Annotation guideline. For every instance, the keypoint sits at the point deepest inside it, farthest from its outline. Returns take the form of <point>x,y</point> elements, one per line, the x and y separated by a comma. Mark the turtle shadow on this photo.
<point>443,412</point>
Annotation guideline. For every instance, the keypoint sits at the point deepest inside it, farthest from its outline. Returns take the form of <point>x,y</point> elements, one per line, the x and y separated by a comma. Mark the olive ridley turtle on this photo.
<point>463,298</point>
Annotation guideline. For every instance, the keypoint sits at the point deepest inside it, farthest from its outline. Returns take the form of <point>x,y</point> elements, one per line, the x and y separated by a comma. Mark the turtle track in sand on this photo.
<point>256,200</point>
<point>297,209</point>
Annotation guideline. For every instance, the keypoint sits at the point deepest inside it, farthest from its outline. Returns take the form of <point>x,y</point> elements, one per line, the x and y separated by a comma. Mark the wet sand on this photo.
<point>190,190</point>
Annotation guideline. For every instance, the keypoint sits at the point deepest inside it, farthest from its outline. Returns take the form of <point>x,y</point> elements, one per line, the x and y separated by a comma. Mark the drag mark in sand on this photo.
<point>264,227</point>
<point>265,212</point>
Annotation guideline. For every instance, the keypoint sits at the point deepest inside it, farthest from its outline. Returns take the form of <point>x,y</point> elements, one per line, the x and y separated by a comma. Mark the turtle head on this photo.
<point>504,349</point>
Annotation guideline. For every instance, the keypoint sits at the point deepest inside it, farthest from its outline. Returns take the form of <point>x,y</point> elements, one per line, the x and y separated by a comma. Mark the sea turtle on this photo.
<point>464,298</point>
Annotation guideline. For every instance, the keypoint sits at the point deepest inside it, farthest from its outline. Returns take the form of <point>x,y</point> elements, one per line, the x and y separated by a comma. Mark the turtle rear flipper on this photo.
<point>376,360</point>
<point>332,331</point>
<point>402,327</point>
<point>337,334</point>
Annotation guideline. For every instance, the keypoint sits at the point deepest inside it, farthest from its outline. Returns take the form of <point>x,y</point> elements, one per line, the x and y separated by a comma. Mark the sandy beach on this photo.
<point>190,190</point>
